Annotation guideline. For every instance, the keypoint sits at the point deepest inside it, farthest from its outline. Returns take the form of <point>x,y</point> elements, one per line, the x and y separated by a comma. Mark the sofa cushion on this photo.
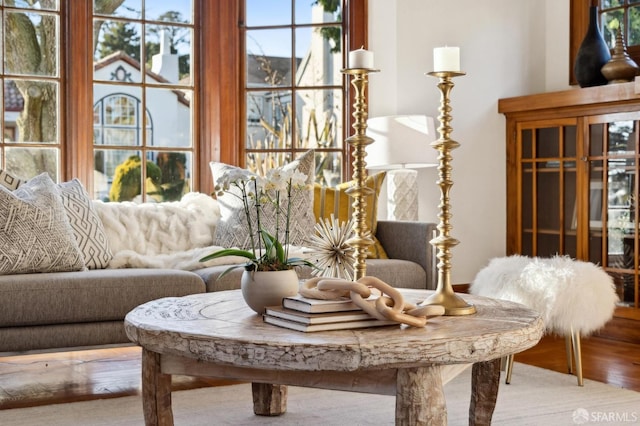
<point>398,273</point>
<point>62,336</point>
<point>336,201</point>
<point>87,226</point>
<point>36,235</point>
<point>87,296</point>
<point>232,231</point>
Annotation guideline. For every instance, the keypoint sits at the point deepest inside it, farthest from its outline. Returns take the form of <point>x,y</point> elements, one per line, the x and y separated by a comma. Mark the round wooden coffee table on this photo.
<point>217,335</point>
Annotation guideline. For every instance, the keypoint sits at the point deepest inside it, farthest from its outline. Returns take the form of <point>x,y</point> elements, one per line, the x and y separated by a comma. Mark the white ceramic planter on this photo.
<point>268,288</point>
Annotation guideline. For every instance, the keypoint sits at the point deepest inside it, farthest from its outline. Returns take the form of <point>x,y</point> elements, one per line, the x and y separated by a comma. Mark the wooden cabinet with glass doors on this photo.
<point>572,183</point>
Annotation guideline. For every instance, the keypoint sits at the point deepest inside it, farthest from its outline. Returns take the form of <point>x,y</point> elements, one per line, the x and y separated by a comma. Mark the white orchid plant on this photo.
<point>269,251</point>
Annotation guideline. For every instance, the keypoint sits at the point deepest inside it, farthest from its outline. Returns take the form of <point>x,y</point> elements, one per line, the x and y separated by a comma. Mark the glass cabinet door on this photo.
<point>548,189</point>
<point>613,195</point>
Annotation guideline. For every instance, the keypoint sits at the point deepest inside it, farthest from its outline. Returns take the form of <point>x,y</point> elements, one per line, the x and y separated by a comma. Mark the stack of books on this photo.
<point>305,314</point>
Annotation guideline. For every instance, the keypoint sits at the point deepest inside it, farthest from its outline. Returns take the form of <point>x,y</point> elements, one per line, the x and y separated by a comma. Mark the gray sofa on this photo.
<point>60,310</point>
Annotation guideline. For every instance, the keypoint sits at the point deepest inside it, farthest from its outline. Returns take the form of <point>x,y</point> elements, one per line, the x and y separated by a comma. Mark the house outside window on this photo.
<point>295,92</point>
<point>158,163</point>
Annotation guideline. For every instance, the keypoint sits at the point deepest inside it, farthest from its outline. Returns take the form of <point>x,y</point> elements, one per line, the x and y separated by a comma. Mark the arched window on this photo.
<point>117,121</point>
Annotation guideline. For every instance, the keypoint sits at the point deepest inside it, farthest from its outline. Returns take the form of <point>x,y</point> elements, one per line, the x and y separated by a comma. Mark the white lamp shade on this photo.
<point>401,141</point>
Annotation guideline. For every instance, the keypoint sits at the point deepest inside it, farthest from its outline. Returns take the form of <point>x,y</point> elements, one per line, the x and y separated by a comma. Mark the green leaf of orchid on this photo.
<point>272,244</point>
<point>229,252</point>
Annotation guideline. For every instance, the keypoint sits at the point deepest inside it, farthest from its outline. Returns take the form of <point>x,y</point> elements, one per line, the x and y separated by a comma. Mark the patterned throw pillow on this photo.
<point>9,181</point>
<point>86,224</point>
<point>36,235</point>
<point>84,220</point>
<point>336,201</point>
<point>232,229</point>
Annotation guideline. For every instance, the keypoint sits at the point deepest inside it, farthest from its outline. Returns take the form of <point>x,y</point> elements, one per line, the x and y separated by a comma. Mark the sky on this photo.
<point>277,42</point>
<point>259,13</point>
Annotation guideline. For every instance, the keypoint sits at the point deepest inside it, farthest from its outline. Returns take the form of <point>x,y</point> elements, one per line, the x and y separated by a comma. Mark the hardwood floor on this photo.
<point>603,360</point>
<point>40,379</point>
<point>53,378</point>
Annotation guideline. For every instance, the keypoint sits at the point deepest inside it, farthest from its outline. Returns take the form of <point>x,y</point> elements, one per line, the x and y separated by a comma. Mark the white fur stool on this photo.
<point>574,298</point>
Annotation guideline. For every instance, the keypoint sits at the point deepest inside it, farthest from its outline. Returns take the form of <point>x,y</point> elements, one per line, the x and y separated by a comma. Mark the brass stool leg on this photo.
<point>575,340</point>
<point>509,368</point>
<point>568,342</point>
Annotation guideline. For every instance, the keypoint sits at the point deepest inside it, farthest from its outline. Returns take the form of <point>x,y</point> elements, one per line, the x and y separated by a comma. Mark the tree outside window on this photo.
<point>32,81</point>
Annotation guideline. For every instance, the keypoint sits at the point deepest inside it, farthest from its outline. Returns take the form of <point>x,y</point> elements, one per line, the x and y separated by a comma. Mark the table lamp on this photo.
<point>401,145</point>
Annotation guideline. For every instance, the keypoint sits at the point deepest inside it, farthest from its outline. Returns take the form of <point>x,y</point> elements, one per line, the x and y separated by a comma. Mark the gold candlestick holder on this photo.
<point>359,192</point>
<point>444,294</point>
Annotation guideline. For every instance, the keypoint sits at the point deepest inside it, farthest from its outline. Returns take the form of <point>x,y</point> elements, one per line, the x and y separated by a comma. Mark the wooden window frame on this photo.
<point>218,105</point>
<point>578,24</point>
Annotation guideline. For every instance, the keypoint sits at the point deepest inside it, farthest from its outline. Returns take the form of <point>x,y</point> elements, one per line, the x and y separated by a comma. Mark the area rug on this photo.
<point>534,397</point>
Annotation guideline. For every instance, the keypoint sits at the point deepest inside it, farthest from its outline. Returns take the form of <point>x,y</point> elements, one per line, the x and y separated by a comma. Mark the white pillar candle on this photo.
<point>446,59</point>
<point>361,59</point>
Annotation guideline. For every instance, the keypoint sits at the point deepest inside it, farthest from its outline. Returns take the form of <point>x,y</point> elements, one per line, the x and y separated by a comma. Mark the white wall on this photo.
<point>508,48</point>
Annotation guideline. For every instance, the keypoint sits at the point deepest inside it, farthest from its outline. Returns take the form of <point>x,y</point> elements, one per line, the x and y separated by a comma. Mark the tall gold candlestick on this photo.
<point>359,192</point>
<point>444,295</point>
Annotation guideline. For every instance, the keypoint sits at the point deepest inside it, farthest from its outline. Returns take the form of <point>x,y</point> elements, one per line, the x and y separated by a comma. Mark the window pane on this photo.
<point>127,9</point>
<point>13,103</point>
<point>269,123</point>
<point>170,118</point>
<point>611,21</point>
<point>173,11</point>
<point>31,43</point>
<point>548,142</point>
<point>116,175</point>
<point>308,13</point>
<point>117,115</point>
<point>268,12</point>
<point>320,118</point>
<point>570,139</point>
<point>319,56</point>
<point>328,168</point>
<point>548,200</point>
<point>37,4</point>
<point>172,180</point>
<point>41,127</point>
<point>260,163</point>
<point>25,163</point>
<point>268,58</point>
<point>621,137</point>
<point>168,51</point>
<point>117,54</point>
<point>611,3</point>
<point>633,34</point>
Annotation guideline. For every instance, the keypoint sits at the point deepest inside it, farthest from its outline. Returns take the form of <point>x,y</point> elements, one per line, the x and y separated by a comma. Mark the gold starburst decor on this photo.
<point>330,251</point>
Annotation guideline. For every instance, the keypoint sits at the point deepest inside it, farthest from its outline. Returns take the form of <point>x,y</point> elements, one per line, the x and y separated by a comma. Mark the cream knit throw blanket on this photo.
<point>173,235</point>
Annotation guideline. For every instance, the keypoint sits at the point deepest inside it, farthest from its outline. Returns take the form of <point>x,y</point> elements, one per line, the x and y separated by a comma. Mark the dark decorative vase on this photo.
<point>592,55</point>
